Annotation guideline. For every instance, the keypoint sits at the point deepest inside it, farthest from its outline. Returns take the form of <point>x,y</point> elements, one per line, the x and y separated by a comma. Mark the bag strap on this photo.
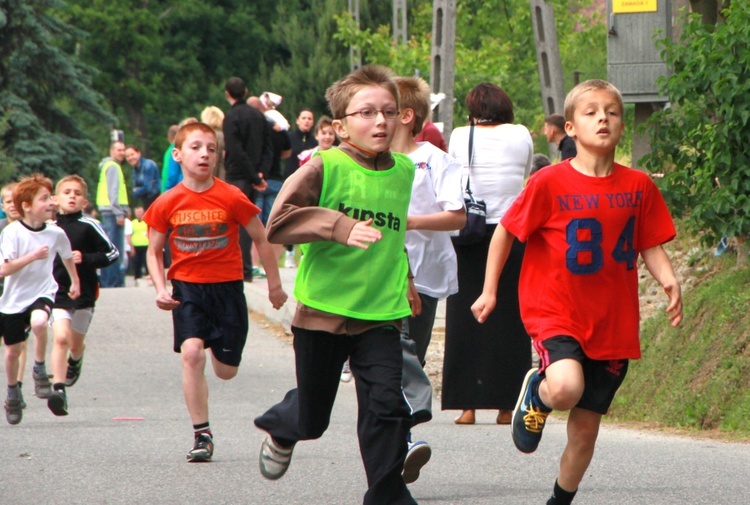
<point>471,155</point>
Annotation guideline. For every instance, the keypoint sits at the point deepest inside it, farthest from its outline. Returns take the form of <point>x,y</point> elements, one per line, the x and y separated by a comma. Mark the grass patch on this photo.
<point>696,377</point>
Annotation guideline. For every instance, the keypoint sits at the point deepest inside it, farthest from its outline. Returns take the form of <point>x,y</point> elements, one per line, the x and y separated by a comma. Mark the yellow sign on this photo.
<point>626,6</point>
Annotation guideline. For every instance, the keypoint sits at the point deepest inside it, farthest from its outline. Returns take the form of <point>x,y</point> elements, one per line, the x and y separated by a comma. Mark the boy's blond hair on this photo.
<point>27,189</point>
<point>73,178</point>
<point>213,117</point>
<point>574,96</point>
<point>185,121</point>
<point>8,188</point>
<point>341,92</point>
<point>414,94</point>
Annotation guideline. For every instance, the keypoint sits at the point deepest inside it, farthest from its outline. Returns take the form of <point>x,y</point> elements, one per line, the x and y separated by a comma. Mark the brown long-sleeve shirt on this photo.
<point>296,218</point>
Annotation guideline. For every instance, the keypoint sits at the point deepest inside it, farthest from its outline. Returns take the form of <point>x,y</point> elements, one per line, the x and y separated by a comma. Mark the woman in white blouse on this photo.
<point>484,364</point>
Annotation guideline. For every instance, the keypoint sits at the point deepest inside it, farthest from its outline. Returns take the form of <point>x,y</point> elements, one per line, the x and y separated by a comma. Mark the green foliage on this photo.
<point>39,80</point>
<point>697,376</point>
<point>700,142</point>
<point>494,43</point>
<point>163,61</point>
<point>311,60</point>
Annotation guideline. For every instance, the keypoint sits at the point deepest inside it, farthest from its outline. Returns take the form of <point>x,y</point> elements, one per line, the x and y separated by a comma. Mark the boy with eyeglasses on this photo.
<point>349,206</point>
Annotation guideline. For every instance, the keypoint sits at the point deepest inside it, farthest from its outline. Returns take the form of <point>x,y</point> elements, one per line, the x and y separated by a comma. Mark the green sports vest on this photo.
<point>363,284</point>
<point>102,196</point>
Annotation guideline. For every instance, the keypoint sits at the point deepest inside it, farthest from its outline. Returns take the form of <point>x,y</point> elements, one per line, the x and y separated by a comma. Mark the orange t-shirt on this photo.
<point>205,231</point>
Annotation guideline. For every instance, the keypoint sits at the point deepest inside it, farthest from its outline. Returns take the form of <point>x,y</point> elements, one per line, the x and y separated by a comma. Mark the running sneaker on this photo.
<point>203,449</point>
<point>13,411</point>
<point>274,460</point>
<point>74,371</point>
<point>42,385</point>
<point>346,372</point>
<point>528,418</point>
<point>419,453</point>
<point>289,261</point>
<point>58,402</point>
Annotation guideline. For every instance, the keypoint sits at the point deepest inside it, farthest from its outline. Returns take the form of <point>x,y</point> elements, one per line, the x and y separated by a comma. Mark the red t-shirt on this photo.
<point>205,231</point>
<point>583,235</point>
<point>431,134</point>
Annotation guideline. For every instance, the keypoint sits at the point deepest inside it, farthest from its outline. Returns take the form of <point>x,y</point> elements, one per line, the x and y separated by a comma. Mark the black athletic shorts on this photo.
<point>602,378</point>
<point>215,313</point>
<point>15,327</point>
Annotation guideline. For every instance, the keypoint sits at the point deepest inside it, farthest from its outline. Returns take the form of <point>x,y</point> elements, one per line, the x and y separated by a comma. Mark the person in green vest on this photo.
<point>140,244</point>
<point>348,206</point>
<point>112,200</point>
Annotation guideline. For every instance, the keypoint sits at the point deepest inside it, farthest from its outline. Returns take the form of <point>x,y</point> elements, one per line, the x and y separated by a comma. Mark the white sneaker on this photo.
<point>274,461</point>
<point>346,372</point>
<point>289,262</point>
<point>417,457</point>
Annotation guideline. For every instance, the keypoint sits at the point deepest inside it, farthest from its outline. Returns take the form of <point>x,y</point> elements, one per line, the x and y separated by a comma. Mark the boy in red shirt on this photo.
<point>584,222</point>
<point>208,305</point>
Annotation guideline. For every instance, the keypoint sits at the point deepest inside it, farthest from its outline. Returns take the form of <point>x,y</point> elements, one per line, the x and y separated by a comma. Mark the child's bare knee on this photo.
<point>13,352</point>
<point>563,395</point>
<point>63,339</point>
<point>39,324</point>
<point>77,346</point>
<point>193,357</point>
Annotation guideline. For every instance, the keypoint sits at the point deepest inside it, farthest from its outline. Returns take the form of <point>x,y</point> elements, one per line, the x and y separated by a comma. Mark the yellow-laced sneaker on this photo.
<point>528,419</point>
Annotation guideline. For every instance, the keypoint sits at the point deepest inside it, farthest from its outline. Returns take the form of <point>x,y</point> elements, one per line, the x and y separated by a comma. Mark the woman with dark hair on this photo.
<point>484,364</point>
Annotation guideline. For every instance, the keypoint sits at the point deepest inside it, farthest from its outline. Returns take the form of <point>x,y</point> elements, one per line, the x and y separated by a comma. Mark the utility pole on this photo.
<point>355,55</point>
<point>548,61</point>
<point>548,57</point>
<point>443,60</point>
<point>399,22</point>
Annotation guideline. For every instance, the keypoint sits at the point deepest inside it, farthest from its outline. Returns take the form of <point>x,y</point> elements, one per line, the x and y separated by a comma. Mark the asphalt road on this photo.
<point>130,371</point>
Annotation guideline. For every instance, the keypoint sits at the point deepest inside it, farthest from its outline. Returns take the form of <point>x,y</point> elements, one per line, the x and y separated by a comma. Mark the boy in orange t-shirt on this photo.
<point>208,305</point>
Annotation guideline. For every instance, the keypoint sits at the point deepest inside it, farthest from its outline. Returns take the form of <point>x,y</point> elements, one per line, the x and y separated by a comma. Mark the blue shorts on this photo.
<point>602,378</point>
<point>216,313</point>
<point>15,327</point>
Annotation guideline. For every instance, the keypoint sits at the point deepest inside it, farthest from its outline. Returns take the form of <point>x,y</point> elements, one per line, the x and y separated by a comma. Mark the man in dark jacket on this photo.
<point>249,153</point>
<point>554,130</point>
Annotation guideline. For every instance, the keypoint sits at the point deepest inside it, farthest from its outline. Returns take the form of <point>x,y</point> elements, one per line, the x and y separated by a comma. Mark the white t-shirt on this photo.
<point>35,280</point>
<point>128,232</point>
<point>436,188</point>
<point>501,163</point>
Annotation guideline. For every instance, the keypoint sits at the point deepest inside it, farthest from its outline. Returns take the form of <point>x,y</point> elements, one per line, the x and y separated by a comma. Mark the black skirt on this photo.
<point>484,364</point>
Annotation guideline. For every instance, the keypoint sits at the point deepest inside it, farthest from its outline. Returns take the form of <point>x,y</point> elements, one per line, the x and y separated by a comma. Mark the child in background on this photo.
<point>28,248</point>
<point>349,206</point>
<point>584,221</point>
<point>6,202</point>
<point>71,318</point>
<point>209,309</point>
<point>436,208</point>
<point>140,245</point>
<point>11,214</point>
<point>325,136</point>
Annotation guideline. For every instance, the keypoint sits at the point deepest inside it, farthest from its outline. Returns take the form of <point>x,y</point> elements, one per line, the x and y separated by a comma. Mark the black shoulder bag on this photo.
<point>476,210</point>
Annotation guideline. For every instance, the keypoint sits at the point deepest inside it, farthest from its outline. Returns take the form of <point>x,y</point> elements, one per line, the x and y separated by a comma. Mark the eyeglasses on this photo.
<point>368,113</point>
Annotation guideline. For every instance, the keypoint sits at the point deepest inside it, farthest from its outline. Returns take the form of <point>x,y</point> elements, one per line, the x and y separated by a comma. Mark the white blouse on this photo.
<point>499,167</point>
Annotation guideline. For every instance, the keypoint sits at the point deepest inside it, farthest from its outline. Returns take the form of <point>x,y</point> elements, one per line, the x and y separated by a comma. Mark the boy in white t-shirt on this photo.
<point>436,208</point>
<point>28,248</point>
